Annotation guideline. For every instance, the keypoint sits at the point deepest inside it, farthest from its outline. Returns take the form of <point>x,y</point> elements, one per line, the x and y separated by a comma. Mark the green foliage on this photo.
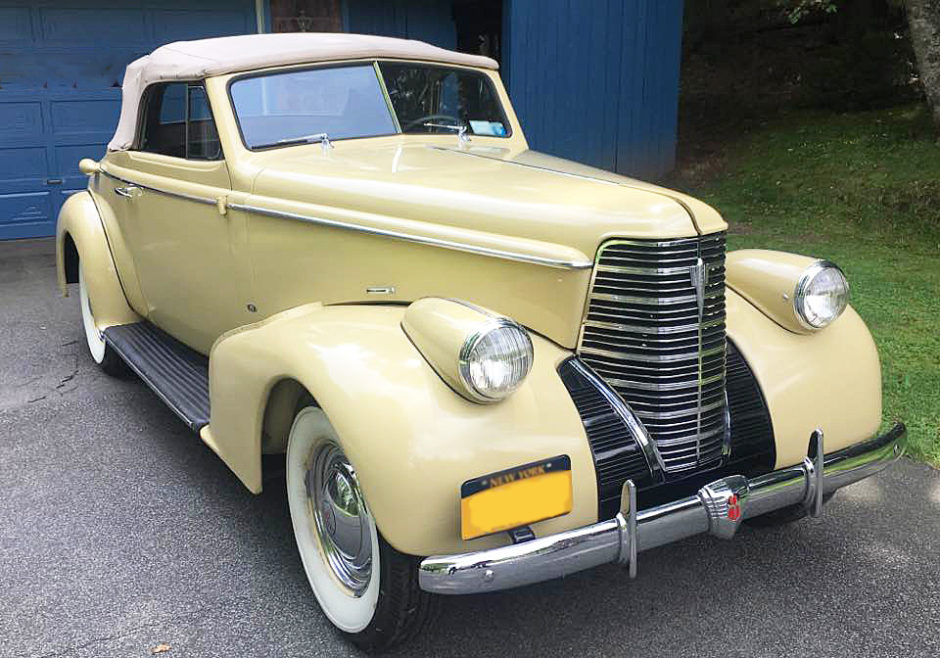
<point>797,10</point>
<point>863,190</point>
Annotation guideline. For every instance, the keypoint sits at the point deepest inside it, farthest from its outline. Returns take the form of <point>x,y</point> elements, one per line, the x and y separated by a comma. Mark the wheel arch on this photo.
<point>411,439</point>
<point>69,259</point>
<point>81,241</point>
<point>280,407</point>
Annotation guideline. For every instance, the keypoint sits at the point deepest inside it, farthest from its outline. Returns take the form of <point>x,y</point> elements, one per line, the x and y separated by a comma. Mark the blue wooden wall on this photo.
<point>425,20</point>
<point>597,81</point>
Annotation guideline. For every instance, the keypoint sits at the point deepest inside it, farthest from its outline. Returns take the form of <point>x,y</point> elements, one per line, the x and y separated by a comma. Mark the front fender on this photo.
<point>412,440</point>
<point>829,379</point>
<point>79,225</point>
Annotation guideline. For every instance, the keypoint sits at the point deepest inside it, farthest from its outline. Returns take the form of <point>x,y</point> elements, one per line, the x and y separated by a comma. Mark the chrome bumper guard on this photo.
<point>718,508</point>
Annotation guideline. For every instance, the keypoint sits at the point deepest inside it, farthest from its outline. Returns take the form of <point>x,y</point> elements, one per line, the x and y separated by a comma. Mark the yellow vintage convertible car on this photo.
<point>487,366</point>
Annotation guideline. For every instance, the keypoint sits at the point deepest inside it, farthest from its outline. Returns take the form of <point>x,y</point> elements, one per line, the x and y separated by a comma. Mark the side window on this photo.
<point>177,121</point>
<point>202,141</point>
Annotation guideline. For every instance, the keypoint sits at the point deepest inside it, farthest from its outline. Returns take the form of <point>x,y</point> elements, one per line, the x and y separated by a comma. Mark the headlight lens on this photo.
<point>495,360</point>
<point>821,295</point>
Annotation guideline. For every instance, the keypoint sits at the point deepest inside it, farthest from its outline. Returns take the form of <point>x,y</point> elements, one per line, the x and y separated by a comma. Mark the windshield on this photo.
<point>345,102</point>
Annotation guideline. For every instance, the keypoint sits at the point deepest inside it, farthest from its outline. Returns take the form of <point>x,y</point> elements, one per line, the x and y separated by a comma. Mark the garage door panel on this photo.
<point>174,25</point>
<point>15,25</point>
<point>66,161</point>
<point>82,117</point>
<point>20,122</point>
<point>105,25</point>
<point>17,164</point>
<point>75,70</point>
<point>25,214</point>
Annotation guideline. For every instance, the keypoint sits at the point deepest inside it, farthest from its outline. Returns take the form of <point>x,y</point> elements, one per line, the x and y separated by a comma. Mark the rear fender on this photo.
<point>411,439</point>
<point>80,236</point>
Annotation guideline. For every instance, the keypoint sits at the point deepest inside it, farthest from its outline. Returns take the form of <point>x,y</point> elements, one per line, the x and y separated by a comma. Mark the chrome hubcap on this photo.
<point>341,518</point>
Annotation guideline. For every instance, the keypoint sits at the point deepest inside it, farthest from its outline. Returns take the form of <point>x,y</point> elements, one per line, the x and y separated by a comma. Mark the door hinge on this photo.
<point>222,204</point>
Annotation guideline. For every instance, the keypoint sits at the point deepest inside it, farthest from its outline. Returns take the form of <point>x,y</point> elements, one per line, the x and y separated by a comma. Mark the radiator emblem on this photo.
<point>699,275</point>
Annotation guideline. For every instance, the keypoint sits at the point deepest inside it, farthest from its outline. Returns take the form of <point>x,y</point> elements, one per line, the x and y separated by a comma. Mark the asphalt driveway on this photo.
<point>120,531</point>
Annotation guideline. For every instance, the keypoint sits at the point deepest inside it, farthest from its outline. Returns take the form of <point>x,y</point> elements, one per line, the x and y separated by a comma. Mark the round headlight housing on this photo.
<point>495,360</point>
<point>821,294</point>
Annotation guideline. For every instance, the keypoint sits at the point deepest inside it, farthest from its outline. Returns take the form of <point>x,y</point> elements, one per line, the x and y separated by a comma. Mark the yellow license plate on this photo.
<point>515,497</point>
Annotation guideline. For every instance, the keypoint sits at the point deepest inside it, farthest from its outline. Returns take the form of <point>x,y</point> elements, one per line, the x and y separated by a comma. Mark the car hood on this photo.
<point>522,194</point>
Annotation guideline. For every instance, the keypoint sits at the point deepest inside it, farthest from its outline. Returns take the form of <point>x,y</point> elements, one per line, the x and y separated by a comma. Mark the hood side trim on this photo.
<point>417,239</point>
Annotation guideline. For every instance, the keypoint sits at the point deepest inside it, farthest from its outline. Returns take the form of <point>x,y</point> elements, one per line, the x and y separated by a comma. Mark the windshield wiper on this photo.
<point>316,138</point>
<point>460,128</point>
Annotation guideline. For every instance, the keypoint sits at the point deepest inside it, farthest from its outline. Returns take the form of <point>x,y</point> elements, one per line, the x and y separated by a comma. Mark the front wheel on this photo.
<point>366,588</point>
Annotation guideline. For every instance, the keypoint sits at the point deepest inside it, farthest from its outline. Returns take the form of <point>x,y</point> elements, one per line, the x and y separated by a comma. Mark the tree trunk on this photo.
<point>923,17</point>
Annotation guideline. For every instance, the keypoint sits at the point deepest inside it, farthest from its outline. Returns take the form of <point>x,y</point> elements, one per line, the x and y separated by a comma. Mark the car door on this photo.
<point>166,197</point>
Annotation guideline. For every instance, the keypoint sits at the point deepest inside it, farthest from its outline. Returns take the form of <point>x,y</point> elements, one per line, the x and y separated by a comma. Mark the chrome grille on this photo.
<point>655,331</point>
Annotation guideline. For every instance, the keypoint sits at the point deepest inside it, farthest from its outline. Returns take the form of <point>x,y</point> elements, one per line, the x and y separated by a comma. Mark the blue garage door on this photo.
<point>61,66</point>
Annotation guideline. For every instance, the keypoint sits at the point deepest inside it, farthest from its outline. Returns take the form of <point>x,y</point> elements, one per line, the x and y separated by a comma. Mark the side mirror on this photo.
<point>88,166</point>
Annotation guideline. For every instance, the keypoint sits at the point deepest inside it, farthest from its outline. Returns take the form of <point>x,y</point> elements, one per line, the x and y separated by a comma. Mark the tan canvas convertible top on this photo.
<point>192,60</point>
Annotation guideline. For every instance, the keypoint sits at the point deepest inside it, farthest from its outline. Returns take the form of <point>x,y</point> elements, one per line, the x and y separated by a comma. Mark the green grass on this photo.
<point>862,190</point>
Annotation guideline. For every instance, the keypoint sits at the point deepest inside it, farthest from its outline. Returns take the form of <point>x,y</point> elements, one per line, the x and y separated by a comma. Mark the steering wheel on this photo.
<point>432,117</point>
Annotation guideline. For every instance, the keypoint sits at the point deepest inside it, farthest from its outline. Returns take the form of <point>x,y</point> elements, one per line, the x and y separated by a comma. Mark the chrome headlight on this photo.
<point>495,359</point>
<point>481,355</point>
<point>821,294</point>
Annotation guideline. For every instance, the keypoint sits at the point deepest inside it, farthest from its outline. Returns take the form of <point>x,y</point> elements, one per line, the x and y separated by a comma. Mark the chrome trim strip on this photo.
<point>434,242</point>
<point>179,195</point>
<point>652,330</point>
<point>417,239</point>
<point>645,301</point>
<point>718,508</point>
<point>691,441</point>
<point>631,356</point>
<point>687,242</point>
<point>666,415</point>
<point>672,386</point>
<point>677,271</point>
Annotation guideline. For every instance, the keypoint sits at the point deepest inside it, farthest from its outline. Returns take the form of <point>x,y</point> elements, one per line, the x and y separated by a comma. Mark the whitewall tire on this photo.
<point>366,588</point>
<point>103,355</point>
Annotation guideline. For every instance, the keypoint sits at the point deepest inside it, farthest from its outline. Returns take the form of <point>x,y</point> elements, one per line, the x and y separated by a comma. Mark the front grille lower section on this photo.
<point>655,332</point>
<point>752,432</point>
<point>617,454</point>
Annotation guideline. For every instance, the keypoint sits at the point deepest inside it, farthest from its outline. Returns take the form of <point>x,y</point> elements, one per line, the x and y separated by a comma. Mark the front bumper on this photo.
<point>718,508</point>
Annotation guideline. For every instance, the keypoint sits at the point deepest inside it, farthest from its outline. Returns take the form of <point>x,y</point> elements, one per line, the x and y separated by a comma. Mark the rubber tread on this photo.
<point>178,374</point>
<point>403,610</point>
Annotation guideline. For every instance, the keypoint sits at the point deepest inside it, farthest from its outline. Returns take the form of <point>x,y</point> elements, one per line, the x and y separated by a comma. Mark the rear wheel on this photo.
<point>101,352</point>
<point>366,588</point>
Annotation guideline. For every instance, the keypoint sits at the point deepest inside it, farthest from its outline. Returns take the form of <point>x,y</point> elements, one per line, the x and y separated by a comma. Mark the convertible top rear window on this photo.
<point>364,100</point>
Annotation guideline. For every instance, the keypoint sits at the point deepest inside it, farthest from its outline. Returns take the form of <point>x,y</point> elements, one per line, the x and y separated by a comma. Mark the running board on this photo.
<point>176,373</point>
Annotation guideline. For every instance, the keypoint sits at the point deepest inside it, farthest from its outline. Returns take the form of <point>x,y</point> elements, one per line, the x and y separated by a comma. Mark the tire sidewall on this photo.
<point>311,429</point>
<point>96,344</point>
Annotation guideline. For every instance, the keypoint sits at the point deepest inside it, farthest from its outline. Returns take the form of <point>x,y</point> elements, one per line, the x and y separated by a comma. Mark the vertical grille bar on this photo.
<point>655,331</point>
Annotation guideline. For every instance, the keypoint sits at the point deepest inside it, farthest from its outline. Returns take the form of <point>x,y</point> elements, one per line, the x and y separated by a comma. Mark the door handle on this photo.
<point>129,192</point>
